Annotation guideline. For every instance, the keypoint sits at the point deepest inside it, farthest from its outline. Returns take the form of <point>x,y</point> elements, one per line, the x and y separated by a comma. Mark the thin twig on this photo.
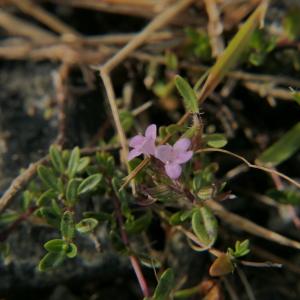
<point>248,226</point>
<point>44,17</point>
<point>214,27</point>
<point>133,259</point>
<point>246,283</point>
<point>250,165</point>
<point>21,27</point>
<point>159,21</point>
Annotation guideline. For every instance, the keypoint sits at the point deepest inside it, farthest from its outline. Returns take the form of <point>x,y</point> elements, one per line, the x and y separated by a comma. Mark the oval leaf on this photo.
<point>73,163</point>
<point>56,245</point>
<point>89,184</point>
<point>221,266</point>
<point>216,140</point>
<point>72,191</point>
<point>48,177</point>
<point>67,226</point>
<point>83,163</point>
<point>205,226</point>
<point>164,286</point>
<point>188,94</point>
<point>86,225</point>
<point>51,260</point>
<point>56,159</point>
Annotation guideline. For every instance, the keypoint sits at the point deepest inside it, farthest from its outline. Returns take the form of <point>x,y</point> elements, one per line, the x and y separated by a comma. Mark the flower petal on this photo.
<point>149,146</point>
<point>173,170</point>
<point>164,153</point>
<point>183,157</point>
<point>133,153</point>
<point>136,141</point>
<point>182,144</point>
<point>151,131</point>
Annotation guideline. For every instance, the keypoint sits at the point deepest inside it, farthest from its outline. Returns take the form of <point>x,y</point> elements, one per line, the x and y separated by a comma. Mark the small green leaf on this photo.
<point>188,94</point>
<point>56,159</point>
<point>215,140</point>
<point>164,286</point>
<point>49,215</point>
<point>56,245</point>
<point>72,191</point>
<point>89,184</point>
<point>241,249</point>
<point>140,224</point>
<point>73,163</point>
<point>83,164</point>
<point>86,225</point>
<point>8,217</point>
<point>71,251</point>
<point>205,226</point>
<point>55,207</point>
<point>51,260</point>
<point>67,226</point>
<point>48,177</point>
<point>26,200</point>
<point>46,197</point>
<point>283,149</point>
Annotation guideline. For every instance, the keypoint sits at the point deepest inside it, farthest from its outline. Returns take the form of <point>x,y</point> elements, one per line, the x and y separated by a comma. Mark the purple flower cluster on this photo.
<point>172,156</point>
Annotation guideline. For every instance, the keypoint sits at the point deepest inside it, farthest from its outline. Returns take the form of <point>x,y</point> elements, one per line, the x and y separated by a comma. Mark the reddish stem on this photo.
<point>133,259</point>
<point>4,235</point>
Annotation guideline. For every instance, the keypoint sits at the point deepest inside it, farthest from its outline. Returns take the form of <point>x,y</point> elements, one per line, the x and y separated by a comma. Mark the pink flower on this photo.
<point>143,144</point>
<point>174,157</point>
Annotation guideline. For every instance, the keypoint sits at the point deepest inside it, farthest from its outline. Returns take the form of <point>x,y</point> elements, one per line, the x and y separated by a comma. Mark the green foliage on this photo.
<point>48,177</point>
<point>286,196</point>
<point>188,94</point>
<point>205,226</point>
<point>67,225</point>
<point>50,216</point>
<point>291,24</point>
<point>86,225</point>
<point>260,45</point>
<point>8,217</point>
<point>215,140</point>
<point>140,224</point>
<point>51,260</point>
<point>73,163</point>
<point>72,191</point>
<point>106,163</point>
<point>83,164</point>
<point>164,286</point>
<point>71,250</point>
<point>283,149</point>
<point>240,249</point>
<point>89,184</point>
<point>56,159</point>
<point>56,245</point>
<point>198,44</point>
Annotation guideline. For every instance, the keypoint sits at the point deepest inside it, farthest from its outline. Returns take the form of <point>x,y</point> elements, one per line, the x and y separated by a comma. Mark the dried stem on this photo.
<point>44,17</point>
<point>250,165</point>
